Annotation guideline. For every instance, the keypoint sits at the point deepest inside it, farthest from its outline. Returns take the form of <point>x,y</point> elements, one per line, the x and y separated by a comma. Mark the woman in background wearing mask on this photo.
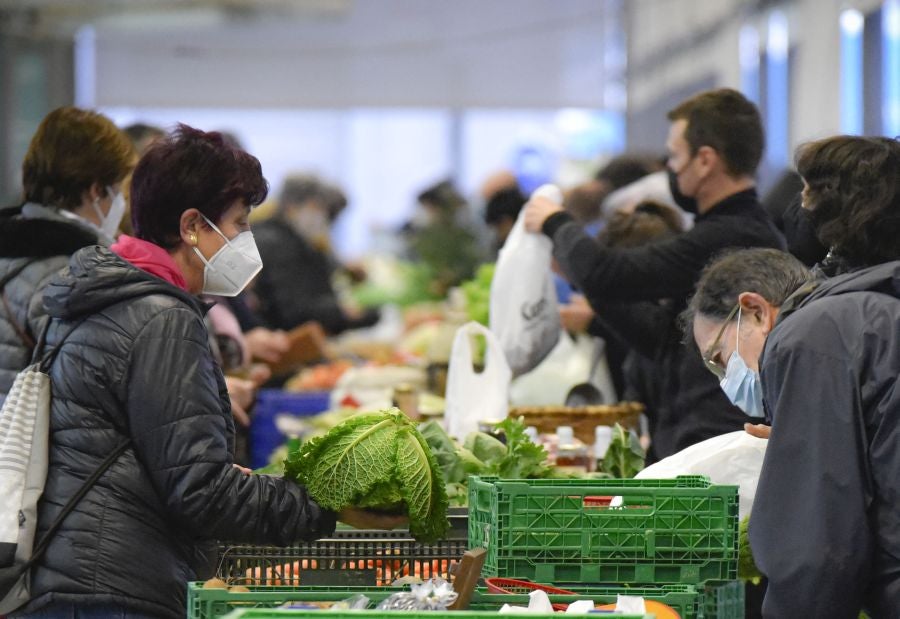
<point>72,175</point>
<point>135,377</point>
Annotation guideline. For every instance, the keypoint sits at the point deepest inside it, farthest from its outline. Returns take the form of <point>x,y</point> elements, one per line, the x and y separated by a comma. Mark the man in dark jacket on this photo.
<point>715,144</point>
<point>825,363</point>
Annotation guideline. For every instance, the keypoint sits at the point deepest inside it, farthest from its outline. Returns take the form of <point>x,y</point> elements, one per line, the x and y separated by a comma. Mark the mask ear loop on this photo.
<point>737,335</point>
<point>215,227</point>
<point>98,211</point>
<point>197,249</point>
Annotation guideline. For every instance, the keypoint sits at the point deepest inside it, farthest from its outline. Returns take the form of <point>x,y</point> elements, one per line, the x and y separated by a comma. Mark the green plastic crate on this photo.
<point>218,603</point>
<point>214,603</point>
<point>686,599</point>
<point>724,601</point>
<point>273,613</point>
<point>682,530</point>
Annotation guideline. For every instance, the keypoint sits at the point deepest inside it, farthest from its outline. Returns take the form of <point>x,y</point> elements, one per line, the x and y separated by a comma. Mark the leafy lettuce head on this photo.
<point>375,461</point>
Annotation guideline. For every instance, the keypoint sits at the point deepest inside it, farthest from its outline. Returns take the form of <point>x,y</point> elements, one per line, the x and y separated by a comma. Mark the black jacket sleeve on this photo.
<point>643,326</point>
<point>809,531</point>
<point>661,270</point>
<point>180,422</point>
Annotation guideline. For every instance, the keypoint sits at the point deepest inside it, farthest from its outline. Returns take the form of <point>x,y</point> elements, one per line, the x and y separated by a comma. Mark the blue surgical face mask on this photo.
<point>741,384</point>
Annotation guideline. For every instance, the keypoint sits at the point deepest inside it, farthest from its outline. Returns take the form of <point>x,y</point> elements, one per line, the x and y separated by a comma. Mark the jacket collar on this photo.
<point>27,236</point>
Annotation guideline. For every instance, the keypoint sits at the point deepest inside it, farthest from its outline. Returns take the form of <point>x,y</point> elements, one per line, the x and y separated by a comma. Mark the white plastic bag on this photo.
<point>733,459</point>
<point>473,396</point>
<point>523,311</point>
<point>572,361</point>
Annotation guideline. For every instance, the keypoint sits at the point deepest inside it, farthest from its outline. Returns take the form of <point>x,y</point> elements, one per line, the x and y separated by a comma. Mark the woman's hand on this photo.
<point>537,210</point>
<point>241,393</point>
<point>365,519</point>
<point>266,344</point>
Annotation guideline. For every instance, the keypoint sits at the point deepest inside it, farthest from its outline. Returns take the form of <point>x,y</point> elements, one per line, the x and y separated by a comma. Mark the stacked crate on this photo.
<point>635,532</point>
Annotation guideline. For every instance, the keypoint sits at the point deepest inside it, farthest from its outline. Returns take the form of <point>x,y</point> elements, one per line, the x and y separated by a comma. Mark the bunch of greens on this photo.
<point>482,454</point>
<point>477,292</point>
<point>747,569</point>
<point>625,457</point>
<point>410,284</point>
<point>376,461</point>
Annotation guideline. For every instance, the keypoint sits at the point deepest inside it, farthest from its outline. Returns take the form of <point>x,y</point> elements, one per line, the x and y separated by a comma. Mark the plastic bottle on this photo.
<point>571,454</point>
<point>406,398</point>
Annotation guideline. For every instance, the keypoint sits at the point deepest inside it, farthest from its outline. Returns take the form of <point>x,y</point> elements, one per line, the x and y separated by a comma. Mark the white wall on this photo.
<point>672,43</point>
<point>379,53</point>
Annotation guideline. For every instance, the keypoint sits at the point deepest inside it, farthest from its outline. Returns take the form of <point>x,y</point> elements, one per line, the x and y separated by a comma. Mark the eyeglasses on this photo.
<point>711,365</point>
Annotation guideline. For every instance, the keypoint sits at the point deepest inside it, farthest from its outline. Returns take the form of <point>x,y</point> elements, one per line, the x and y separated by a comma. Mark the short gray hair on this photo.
<point>771,273</point>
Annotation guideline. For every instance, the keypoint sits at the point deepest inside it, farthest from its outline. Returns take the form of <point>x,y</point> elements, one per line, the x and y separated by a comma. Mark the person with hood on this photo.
<point>72,176</point>
<point>824,364</point>
<point>135,371</point>
<point>715,144</point>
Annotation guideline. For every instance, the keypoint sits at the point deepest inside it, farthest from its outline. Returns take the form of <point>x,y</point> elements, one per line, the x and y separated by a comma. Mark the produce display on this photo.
<point>477,292</point>
<point>398,283</point>
<point>482,454</point>
<point>625,457</point>
<point>321,377</point>
<point>377,461</point>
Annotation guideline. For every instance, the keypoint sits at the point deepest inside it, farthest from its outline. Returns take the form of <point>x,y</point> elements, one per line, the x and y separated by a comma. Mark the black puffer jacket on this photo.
<point>140,366</point>
<point>45,245</point>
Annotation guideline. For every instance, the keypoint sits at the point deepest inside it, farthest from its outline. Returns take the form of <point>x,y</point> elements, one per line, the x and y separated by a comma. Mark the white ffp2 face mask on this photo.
<point>109,223</point>
<point>231,268</point>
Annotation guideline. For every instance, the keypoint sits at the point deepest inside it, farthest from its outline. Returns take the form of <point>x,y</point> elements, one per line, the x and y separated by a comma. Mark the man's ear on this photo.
<point>755,307</point>
<point>708,158</point>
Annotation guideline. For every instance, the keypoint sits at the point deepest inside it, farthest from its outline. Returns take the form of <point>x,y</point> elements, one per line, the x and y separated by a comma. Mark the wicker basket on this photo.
<point>582,419</point>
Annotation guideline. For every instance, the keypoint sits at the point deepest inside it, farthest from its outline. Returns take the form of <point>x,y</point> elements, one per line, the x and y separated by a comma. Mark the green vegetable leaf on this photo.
<point>376,461</point>
<point>747,569</point>
<point>485,447</point>
<point>625,457</point>
<point>523,459</point>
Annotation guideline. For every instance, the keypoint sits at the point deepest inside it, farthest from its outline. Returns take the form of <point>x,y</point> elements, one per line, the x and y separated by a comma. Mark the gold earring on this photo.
<point>193,238</point>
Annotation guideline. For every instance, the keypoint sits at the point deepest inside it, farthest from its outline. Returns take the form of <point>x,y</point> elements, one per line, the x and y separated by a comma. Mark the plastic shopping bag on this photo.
<point>574,360</point>
<point>474,396</point>
<point>523,310</point>
<point>733,459</point>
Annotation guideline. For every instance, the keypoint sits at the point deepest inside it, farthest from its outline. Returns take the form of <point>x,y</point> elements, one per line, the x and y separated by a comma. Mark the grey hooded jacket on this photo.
<point>825,527</point>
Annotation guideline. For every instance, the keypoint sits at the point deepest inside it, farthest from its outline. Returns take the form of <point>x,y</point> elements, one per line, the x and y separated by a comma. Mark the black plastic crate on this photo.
<point>350,557</point>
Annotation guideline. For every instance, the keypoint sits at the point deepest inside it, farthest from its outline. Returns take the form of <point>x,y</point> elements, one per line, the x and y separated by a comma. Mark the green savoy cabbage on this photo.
<point>376,461</point>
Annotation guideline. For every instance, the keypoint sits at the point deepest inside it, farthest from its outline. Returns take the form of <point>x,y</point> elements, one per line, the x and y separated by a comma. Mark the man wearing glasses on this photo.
<point>822,357</point>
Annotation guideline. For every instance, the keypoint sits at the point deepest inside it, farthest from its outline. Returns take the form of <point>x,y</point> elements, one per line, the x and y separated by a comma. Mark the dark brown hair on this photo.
<point>649,222</point>
<point>71,150</point>
<point>726,121</point>
<point>190,169</point>
<point>854,195</point>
